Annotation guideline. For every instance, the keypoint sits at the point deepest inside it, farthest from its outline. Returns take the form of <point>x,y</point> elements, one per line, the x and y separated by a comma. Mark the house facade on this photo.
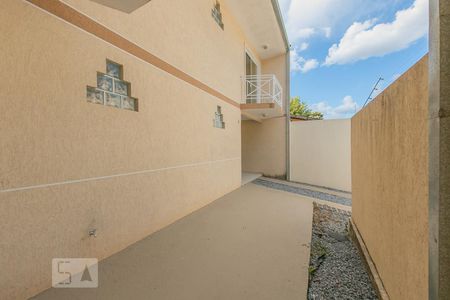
<point>120,117</point>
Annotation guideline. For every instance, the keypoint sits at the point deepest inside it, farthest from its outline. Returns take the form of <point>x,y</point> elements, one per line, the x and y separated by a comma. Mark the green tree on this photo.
<point>300,108</point>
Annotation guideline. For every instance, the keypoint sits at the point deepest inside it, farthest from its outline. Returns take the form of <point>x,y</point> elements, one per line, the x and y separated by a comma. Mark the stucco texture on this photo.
<point>127,174</point>
<point>216,56</point>
<point>320,153</point>
<point>264,147</point>
<point>390,183</point>
<point>277,66</point>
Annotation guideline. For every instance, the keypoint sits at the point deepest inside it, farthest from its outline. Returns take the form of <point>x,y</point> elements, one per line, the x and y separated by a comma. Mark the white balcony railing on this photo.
<point>263,89</point>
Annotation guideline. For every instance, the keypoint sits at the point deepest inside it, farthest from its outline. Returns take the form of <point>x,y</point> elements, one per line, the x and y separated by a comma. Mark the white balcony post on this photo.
<point>272,86</point>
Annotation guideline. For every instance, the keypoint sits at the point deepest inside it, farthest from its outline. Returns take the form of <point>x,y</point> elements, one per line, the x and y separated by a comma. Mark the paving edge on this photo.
<point>370,265</point>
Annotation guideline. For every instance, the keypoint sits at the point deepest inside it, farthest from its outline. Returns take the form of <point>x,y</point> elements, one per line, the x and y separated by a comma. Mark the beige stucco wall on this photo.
<point>177,29</point>
<point>390,183</point>
<point>277,66</point>
<point>264,147</point>
<point>320,153</point>
<point>79,165</point>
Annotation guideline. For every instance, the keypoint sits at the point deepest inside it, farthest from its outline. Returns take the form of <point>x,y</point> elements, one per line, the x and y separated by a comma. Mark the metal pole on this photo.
<point>373,90</point>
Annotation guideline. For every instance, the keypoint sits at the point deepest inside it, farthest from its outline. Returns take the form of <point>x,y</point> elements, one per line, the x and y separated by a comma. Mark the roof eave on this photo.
<point>279,16</point>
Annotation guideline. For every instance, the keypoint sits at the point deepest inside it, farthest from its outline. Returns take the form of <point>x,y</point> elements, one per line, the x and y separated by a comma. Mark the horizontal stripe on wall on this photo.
<point>46,185</point>
<point>74,17</point>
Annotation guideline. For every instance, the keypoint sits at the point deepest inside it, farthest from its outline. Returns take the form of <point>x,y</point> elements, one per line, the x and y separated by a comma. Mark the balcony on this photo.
<point>262,98</point>
<point>126,6</point>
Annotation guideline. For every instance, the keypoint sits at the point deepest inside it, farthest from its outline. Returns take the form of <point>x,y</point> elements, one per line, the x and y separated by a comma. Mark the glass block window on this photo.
<point>217,15</point>
<point>113,69</point>
<point>218,119</point>
<point>111,89</point>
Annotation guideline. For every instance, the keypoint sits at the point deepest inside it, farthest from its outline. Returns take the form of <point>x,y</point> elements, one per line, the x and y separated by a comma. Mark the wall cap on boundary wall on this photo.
<point>370,265</point>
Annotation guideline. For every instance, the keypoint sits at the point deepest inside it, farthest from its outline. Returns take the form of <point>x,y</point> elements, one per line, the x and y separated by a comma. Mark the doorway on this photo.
<point>251,72</point>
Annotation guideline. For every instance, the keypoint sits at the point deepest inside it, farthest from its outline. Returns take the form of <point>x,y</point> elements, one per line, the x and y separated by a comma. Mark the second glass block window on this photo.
<point>218,118</point>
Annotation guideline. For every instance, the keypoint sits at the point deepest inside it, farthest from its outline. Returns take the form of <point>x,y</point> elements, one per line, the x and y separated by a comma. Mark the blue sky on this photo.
<point>341,47</point>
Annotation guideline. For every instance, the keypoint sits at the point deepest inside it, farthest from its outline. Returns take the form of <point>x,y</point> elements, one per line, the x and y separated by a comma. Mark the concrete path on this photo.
<point>250,244</point>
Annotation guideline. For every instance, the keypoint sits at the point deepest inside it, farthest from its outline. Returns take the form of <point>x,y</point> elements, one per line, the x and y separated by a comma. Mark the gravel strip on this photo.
<point>336,269</point>
<point>304,192</point>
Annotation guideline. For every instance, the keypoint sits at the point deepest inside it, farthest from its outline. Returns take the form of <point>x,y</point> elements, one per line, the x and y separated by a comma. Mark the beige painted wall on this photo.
<point>390,183</point>
<point>320,153</point>
<point>216,56</point>
<point>264,147</point>
<point>277,65</point>
<point>68,166</point>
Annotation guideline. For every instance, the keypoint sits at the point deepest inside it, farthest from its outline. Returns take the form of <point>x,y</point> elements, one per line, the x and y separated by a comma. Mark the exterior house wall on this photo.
<point>216,56</point>
<point>320,153</point>
<point>68,166</point>
<point>264,144</point>
<point>390,183</point>
<point>264,147</point>
<point>277,66</point>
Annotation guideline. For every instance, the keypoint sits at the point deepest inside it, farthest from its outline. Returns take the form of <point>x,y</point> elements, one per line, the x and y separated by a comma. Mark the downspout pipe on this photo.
<point>277,10</point>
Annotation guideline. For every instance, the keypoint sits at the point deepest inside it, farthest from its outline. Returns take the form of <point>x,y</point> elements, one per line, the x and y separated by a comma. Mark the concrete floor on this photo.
<point>250,244</point>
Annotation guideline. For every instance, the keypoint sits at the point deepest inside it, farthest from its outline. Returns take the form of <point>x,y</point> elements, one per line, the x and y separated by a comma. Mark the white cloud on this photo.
<point>300,64</point>
<point>345,110</point>
<point>309,65</point>
<point>307,18</point>
<point>368,39</point>
<point>327,32</point>
<point>303,33</point>
<point>303,47</point>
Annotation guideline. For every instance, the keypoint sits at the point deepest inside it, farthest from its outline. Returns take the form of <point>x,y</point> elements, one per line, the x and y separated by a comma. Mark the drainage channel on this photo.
<point>304,192</point>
